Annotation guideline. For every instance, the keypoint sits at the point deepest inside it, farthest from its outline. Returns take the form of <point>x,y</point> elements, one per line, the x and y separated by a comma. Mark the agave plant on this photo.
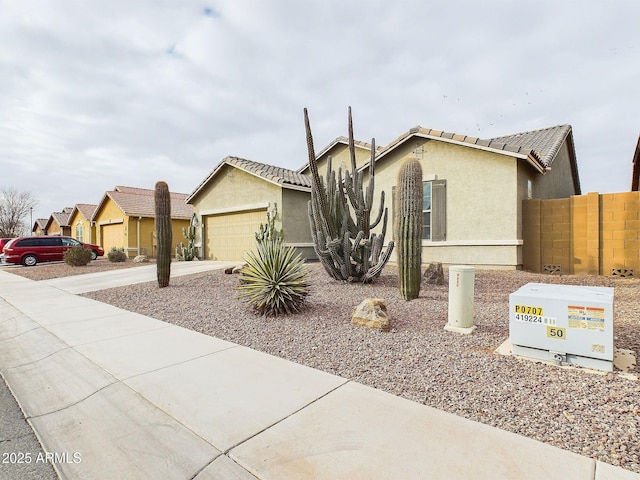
<point>275,279</point>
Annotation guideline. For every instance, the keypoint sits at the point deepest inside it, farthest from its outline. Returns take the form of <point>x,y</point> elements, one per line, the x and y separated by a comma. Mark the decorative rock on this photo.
<point>237,268</point>
<point>141,259</point>
<point>371,313</point>
<point>234,269</point>
<point>434,275</point>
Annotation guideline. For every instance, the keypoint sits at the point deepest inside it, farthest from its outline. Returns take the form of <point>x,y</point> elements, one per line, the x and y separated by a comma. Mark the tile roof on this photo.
<point>61,218</point>
<point>545,143</point>
<point>140,202</point>
<point>281,176</point>
<point>86,209</point>
<point>539,146</point>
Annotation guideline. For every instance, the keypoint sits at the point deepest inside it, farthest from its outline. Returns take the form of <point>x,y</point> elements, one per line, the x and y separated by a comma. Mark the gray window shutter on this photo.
<point>439,210</point>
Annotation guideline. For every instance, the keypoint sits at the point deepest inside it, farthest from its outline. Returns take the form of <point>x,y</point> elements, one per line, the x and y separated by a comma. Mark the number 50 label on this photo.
<point>557,333</point>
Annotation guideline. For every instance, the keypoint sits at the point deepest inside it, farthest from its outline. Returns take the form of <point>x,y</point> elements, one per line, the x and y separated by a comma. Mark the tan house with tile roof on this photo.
<point>58,223</point>
<point>125,218</point>
<point>40,226</point>
<point>232,202</point>
<point>82,228</point>
<point>473,192</point>
<point>474,188</point>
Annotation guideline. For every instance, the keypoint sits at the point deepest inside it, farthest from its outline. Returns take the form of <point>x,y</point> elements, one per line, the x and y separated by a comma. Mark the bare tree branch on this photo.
<point>15,206</point>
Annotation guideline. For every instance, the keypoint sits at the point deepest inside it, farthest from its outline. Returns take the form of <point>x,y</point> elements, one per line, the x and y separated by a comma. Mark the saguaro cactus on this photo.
<point>163,232</point>
<point>346,247</point>
<point>408,221</point>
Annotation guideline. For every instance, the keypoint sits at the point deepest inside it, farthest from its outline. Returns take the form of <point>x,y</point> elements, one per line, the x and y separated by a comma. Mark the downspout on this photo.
<point>138,235</point>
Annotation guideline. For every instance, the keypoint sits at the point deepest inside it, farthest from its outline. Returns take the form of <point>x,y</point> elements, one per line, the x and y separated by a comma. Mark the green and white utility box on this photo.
<point>563,323</point>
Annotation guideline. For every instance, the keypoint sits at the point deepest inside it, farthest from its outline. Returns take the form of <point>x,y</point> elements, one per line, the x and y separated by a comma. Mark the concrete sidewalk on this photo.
<point>92,282</point>
<point>114,394</point>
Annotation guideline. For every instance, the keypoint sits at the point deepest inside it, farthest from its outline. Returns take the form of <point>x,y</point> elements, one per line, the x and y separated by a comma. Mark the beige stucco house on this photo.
<point>82,228</point>
<point>58,223</point>
<point>125,218</point>
<point>473,191</point>
<point>233,200</point>
<point>39,226</point>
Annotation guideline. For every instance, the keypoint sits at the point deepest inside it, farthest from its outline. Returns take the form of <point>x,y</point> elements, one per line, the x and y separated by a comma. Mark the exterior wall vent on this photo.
<point>552,269</point>
<point>622,272</point>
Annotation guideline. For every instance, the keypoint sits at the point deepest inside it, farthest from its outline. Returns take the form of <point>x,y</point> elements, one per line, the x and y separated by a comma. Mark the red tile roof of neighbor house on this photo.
<point>140,202</point>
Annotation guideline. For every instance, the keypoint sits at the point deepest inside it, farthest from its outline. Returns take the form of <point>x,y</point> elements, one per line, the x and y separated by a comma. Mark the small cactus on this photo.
<point>163,232</point>
<point>409,228</point>
<point>268,232</point>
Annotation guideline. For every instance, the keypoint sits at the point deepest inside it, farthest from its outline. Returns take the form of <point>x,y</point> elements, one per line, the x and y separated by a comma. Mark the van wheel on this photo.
<point>29,260</point>
<point>94,254</point>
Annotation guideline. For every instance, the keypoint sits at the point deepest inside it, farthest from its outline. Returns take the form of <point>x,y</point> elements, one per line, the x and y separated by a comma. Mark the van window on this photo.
<point>70,242</point>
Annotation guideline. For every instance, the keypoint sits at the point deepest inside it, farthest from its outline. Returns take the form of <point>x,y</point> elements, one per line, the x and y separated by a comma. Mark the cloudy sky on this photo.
<point>95,94</point>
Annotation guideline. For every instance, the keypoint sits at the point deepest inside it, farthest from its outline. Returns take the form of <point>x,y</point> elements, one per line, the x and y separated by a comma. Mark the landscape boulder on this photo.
<point>434,275</point>
<point>140,259</point>
<point>371,313</point>
<point>234,268</point>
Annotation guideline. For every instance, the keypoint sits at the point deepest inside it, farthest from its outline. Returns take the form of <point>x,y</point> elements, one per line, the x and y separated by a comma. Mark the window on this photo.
<point>434,210</point>
<point>70,242</point>
<point>426,211</point>
<point>79,231</point>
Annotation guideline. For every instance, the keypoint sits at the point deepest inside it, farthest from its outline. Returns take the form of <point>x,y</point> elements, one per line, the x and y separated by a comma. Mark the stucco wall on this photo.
<point>481,201</point>
<point>295,222</point>
<point>233,190</point>
<point>109,213</point>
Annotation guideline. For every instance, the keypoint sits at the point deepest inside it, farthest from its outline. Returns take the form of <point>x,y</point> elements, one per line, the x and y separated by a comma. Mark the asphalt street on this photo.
<point>21,455</point>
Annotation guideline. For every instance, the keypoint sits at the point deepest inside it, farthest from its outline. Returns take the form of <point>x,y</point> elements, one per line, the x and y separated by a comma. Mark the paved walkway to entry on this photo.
<point>114,394</point>
<point>92,282</point>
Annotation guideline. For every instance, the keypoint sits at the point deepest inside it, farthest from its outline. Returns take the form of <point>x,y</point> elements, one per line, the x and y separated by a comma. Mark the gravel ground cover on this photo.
<point>593,414</point>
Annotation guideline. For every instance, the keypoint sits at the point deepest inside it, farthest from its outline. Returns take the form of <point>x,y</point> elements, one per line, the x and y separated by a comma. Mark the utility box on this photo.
<point>563,323</point>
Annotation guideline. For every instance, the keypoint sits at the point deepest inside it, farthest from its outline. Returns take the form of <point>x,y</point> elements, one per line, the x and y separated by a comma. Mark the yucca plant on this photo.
<point>274,281</point>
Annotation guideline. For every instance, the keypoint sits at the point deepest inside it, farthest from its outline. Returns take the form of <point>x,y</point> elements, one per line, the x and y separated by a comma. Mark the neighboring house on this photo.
<point>232,202</point>
<point>82,228</point>
<point>635,174</point>
<point>473,191</point>
<point>40,227</point>
<point>58,223</point>
<point>125,218</point>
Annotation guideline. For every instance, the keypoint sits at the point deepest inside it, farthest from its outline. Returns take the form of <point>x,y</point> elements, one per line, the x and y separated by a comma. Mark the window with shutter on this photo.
<point>434,210</point>
<point>439,208</point>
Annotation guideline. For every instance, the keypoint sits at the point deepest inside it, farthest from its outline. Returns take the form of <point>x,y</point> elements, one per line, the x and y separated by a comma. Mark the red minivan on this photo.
<point>30,250</point>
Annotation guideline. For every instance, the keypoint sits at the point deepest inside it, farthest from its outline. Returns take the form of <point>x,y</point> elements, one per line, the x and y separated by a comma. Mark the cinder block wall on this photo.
<point>593,234</point>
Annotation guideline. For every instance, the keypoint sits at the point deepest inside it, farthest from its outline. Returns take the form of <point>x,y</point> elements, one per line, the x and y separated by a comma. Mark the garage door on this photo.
<point>112,236</point>
<point>228,236</point>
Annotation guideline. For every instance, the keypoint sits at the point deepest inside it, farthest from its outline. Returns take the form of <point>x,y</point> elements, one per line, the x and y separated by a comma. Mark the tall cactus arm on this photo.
<point>352,147</point>
<point>381,210</point>
<point>321,194</point>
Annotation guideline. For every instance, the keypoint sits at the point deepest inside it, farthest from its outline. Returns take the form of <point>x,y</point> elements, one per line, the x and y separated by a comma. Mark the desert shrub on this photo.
<point>77,256</point>
<point>275,279</point>
<point>117,255</point>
